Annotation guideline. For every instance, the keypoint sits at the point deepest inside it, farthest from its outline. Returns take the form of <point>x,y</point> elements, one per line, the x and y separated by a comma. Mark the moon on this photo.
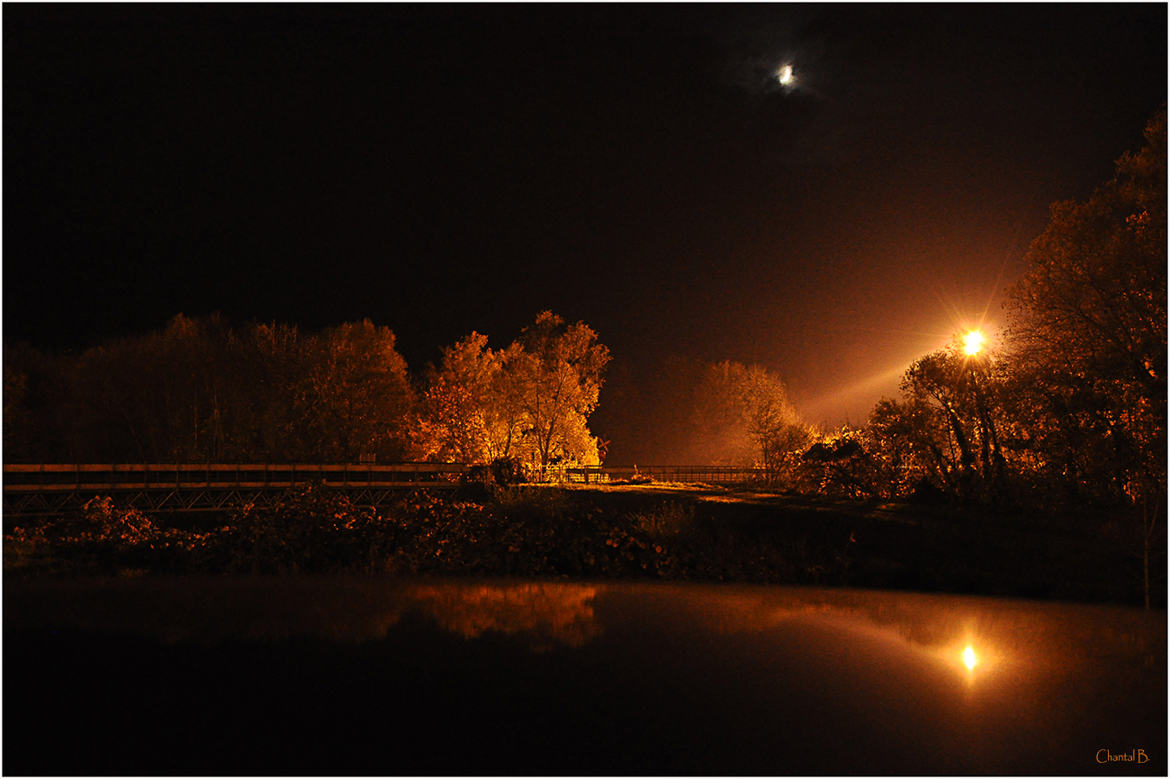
<point>785,76</point>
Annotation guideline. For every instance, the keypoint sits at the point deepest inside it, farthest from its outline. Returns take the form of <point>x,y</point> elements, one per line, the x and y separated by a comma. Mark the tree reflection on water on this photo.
<point>547,614</point>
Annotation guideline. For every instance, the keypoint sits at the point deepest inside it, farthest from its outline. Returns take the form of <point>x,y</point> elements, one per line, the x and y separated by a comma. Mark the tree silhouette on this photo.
<point>1088,334</point>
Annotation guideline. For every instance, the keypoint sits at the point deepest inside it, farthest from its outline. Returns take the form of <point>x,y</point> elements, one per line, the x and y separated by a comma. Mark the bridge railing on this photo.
<point>137,476</point>
<point>689,474</point>
<point>46,489</point>
<point>56,488</point>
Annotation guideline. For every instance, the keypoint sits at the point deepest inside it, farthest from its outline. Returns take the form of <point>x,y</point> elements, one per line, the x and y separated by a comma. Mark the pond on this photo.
<point>331,675</point>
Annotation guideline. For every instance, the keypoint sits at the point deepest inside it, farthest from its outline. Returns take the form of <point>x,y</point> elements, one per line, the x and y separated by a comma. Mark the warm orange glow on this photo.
<point>784,75</point>
<point>973,342</point>
<point>548,614</point>
<point>969,658</point>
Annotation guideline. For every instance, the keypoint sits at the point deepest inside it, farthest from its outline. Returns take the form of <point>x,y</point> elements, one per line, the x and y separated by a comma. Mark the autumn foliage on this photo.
<point>202,390</point>
<point>529,401</point>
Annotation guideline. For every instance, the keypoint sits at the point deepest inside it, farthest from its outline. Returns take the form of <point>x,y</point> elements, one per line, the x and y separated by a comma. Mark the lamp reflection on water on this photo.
<point>978,659</point>
<point>970,659</point>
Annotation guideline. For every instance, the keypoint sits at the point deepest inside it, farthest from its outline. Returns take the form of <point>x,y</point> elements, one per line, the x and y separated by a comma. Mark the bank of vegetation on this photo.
<point>546,532</point>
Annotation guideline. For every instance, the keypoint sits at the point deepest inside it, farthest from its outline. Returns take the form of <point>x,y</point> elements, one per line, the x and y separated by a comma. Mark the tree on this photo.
<point>1088,332</point>
<point>557,375</point>
<point>353,395</point>
<point>839,464</point>
<point>266,420</point>
<point>200,390</point>
<point>946,431</point>
<point>449,427</point>
<point>960,389</point>
<point>33,403</point>
<point>452,424</point>
<point>530,400</point>
<point>910,441</point>
<point>742,416</point>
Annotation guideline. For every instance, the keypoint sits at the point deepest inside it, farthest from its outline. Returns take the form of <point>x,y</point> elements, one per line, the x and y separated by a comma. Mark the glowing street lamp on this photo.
<point>973,342</point>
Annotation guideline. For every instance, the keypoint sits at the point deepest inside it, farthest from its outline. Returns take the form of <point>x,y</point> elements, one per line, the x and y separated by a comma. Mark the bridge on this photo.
<point>56,489</point>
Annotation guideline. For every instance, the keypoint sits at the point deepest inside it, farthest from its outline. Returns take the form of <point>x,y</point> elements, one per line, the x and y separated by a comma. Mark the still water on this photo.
<point>369,676</point>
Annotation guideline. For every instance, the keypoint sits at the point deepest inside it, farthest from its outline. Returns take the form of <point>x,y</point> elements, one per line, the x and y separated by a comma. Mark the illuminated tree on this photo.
<point>1088,332</point>
<point>557,376</point>
<point>531,400</point>
<point>450,427</point>
<point>453,416</point>
<point>936,379</point>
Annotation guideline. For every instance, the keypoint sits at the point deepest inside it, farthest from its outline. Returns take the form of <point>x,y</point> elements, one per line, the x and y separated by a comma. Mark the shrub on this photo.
<point>102,537</point>
<point>310,529</point>
<point>670,519</point>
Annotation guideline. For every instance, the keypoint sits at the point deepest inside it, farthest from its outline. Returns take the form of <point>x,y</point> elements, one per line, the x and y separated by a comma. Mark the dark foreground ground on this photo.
<point>667,532</point>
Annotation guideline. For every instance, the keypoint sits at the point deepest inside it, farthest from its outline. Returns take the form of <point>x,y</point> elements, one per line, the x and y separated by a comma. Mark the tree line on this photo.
<point>204,390</point>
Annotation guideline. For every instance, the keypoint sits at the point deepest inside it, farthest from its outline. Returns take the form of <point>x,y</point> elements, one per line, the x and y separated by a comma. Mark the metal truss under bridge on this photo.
<point>55,489</point>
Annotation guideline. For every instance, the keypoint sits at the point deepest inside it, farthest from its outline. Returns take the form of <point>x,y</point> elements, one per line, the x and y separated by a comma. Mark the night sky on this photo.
<point>443,169</point>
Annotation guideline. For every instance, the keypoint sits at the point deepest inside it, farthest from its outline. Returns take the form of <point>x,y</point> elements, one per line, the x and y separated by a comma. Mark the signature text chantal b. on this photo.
<point>1132,756</point>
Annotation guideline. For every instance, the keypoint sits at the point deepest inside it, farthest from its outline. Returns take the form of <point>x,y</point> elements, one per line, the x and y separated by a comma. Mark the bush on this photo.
<point>669,520</point>
<point>102,538</point>
<point>311,530</point>
<point>507,471</point>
